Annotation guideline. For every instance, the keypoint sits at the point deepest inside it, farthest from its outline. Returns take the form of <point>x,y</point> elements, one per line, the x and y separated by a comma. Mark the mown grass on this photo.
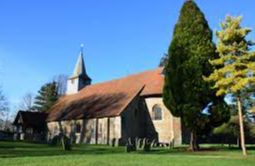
<point>31,154</point>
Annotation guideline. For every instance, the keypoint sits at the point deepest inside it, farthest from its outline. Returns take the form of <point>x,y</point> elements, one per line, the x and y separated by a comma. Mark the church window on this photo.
<point>78,128</point>
<point>100,130</point>
<point>64,130</point>
<point>156,112</point>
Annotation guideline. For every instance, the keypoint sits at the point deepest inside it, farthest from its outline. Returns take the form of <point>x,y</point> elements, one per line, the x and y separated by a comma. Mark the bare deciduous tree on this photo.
<point>163,60</point>
<point>4,109</point>
<point>4,105</point>
<point>61,81</point>
<point>27,102</point>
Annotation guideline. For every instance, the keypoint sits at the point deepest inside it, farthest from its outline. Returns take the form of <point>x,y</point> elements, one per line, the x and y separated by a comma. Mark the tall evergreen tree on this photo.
<point>47,96</point>
<point>185,92</point>
<point>236,65</point>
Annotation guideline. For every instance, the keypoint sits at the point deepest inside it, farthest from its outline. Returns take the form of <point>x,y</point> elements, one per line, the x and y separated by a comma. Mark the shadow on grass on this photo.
<point>19,144</point>
<point>213,150</point>
<point>25,149</point>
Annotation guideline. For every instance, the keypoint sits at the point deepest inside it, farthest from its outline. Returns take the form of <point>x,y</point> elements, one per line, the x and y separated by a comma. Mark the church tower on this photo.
<point>79,78</point>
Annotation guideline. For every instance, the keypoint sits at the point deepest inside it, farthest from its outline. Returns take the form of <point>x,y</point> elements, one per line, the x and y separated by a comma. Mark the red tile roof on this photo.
<point>107,99</point>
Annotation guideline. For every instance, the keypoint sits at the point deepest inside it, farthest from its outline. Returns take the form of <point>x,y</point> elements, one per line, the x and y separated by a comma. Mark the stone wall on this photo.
<point>109,129</point>
<point>92,131</point>
<point>169,127</point>
<point>133,121</point>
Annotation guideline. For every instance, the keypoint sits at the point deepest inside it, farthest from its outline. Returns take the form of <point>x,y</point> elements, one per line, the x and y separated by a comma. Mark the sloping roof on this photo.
<point>107,99</point>
<point>31,119</point>
<point>153,80</point>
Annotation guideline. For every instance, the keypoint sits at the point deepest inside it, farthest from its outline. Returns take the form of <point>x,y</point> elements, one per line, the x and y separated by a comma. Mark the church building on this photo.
<point>115,111</point>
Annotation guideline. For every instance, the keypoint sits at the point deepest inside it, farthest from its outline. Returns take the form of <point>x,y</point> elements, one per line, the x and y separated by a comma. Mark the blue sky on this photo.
<point>40,39</point>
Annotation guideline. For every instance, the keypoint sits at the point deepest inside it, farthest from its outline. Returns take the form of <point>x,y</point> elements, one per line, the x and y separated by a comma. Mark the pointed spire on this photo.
<point>80,70</point>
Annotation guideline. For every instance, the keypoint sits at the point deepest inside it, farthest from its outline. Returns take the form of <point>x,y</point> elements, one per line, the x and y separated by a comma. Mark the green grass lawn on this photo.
<point>29,154</point>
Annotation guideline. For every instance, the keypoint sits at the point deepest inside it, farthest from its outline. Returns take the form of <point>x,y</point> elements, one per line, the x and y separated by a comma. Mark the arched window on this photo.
<point>156,112</point>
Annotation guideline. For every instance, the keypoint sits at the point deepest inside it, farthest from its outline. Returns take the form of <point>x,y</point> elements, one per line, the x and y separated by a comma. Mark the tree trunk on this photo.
<point>242,137</point>
<point>63,142</point>
<point>238,142</point>
<point>193,141</point>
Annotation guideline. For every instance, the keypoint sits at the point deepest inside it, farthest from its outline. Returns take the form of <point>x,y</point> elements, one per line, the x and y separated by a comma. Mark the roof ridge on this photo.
<point>138,93</point>
<point>124,77</point>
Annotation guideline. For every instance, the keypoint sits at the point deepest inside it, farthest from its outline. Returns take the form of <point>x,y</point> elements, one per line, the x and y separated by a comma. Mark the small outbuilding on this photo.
<point>30,126</point>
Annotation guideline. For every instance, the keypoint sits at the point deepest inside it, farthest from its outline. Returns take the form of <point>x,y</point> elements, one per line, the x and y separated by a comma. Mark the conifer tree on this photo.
<point>47,96</point>
<point>235,68</point>
<point>185,92</point>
